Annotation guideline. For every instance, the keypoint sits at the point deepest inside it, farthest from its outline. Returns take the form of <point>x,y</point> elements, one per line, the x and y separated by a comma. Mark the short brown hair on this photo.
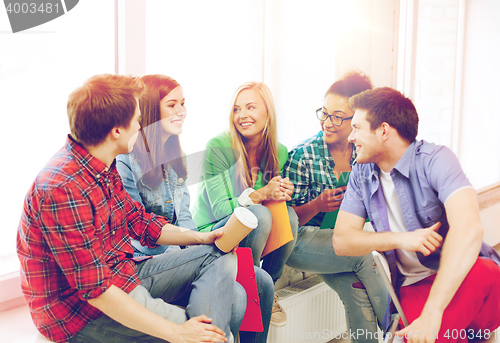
<point>387,105</point>
<point>101,103</point>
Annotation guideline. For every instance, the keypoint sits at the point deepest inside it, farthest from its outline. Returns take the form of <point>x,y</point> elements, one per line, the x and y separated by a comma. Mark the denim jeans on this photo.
<point>265,288</point>
<point>354,278</point>
<point>273,263</point>
<point>200,278</point>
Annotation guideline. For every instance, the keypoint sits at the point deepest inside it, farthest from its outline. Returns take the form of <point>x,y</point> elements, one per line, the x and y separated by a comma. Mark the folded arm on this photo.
<point>350,239</point>
<point>460,252</point>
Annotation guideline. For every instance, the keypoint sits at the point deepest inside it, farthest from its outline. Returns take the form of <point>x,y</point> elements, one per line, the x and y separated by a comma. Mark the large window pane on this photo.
<point>38,69</point>
<point>210,48</point>
<point>435,60</point>
<point>480,138</point>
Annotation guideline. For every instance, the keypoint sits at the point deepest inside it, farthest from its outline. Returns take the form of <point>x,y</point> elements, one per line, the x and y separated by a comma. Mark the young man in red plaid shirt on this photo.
<point>78,273</point>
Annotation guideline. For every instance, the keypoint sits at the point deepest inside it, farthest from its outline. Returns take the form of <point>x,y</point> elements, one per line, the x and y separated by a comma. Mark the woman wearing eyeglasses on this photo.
<point>316,167</point>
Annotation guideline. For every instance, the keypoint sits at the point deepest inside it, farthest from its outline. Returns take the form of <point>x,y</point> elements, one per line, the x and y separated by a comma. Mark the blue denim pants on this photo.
<point>273,264</point>
<point>354,278</point>
<point>201,278</point>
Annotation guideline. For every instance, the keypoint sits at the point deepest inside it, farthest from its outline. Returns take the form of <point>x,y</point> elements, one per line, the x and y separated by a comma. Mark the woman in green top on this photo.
<point>242,168</point>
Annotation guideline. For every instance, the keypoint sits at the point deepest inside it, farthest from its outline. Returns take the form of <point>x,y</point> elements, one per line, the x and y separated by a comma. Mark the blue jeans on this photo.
<point>265,288</point>
<point>354,278</point>
<point>200,278</point>
<point>273,264</point>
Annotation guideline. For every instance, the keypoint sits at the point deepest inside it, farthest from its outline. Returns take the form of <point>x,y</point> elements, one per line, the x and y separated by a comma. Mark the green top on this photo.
<point>217,192</point>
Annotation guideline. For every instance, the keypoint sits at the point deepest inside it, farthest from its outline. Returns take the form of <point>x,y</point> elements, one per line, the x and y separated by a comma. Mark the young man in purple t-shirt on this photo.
<point>425,214</point>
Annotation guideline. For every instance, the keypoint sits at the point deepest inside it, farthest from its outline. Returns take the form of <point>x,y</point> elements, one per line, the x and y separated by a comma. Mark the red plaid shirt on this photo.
<point>74,240</point>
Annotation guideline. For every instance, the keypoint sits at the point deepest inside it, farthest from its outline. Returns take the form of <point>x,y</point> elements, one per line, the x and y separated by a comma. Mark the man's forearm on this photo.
<point>460,250</point>
<point>174,235</point>
<point>360,242</point>
<point>458,255</point>
<point>350,239</point>
<point>121,307</point>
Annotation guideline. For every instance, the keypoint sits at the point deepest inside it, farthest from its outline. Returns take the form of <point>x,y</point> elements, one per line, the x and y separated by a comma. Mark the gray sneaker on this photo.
<point>278,316</point>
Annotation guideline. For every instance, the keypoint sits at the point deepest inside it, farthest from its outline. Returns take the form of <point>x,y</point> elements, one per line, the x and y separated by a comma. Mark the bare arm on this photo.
<point>174,235</point>
<point>306,212</point>
<point>350,239</point>
<point>459,253</point>
<point>119,306</point>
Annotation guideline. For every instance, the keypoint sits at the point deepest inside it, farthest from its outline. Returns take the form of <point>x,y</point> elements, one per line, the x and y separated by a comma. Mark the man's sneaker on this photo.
<point>278,316</point>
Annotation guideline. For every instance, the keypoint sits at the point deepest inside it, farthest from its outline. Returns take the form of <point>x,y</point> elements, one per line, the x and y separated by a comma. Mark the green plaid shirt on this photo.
<point>310,168</point>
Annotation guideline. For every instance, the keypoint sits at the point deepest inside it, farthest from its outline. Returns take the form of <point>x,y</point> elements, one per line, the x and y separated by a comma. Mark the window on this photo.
<point>39,68</point>
<point>209,55</point>
<point>448,68</point>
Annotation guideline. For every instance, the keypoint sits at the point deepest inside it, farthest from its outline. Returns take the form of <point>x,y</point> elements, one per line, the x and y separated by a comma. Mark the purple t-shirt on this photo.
<point>424,177</point>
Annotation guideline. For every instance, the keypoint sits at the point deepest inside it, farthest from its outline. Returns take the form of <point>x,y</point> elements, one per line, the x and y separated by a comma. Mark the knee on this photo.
<point>482,267</point>
<point>230,265</point>
<point>365,263</point>
<point>263,216</point>
<point>239,301</point>
<point>294,220</point>
<point>265,285</point>
<point>264,280</point>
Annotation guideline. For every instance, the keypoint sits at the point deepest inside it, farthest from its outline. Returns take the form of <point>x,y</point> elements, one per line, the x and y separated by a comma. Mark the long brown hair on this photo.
<point>149,151</point>
<point>269,142</point>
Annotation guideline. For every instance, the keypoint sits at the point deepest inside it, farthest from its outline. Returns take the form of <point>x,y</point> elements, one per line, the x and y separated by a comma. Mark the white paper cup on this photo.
<point>239,225</point>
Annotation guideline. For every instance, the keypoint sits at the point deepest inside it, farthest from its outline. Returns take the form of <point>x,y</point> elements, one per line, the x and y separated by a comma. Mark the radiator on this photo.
<point>315,313</point>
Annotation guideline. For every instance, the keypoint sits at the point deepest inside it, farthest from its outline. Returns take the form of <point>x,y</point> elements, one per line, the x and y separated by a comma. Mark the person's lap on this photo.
<point>273,262</point>
<point>198,275</point>
<point>474,308</point>
<point>354,278</point>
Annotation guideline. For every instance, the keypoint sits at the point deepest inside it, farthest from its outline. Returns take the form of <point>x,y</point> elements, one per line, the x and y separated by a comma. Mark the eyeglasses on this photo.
<point>334,119</point>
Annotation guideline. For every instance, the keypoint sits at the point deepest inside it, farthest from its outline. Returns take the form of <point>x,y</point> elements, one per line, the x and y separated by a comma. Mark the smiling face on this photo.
<point>250,114</point>
<point>173,112</point>
<point>336,105</point>
<point>129,135</point>
<point>367,142</point>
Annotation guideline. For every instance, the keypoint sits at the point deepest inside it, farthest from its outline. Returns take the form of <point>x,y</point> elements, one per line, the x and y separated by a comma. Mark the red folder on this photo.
<point>252,321</point>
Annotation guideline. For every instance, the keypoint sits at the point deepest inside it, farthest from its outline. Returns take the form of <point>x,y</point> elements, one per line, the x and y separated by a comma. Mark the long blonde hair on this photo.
<point>268,144</point>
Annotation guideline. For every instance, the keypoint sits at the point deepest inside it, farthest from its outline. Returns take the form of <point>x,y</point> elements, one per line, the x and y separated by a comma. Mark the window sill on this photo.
<point>10,284</point>
<point>10,291</point>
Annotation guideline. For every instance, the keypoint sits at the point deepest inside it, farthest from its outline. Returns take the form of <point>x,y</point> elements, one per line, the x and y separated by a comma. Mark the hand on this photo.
<point>425,241</point>
<point>287,188</point>
<point>423,329</point>
<point>330,199</point>
<point>274,189</point>
<point>198,329</point>
<point>210,237</point>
